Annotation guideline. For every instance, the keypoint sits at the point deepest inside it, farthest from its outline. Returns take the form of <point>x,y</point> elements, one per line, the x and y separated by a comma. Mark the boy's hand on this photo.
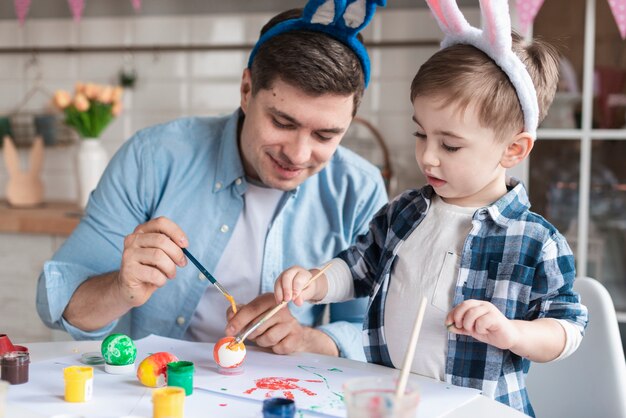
<point>483,321</point>
<point>289,286</point>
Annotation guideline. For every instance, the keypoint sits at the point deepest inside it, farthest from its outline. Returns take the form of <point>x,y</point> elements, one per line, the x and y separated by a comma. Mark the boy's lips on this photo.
<point>434,181</point>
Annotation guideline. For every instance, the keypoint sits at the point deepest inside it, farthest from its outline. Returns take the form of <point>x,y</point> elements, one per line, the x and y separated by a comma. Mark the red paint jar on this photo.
<point>14,367</point>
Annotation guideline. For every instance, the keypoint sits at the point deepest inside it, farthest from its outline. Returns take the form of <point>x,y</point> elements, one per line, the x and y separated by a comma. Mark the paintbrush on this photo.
<point>212,279</point>
<point>242,336</point>
<point>410,352</point>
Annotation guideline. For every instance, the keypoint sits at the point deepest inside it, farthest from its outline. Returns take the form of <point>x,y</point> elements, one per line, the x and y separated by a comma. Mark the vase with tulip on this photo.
<point>89,111</point>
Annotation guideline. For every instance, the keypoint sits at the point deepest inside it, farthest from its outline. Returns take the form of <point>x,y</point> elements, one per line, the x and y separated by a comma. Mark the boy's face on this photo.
<point>288,136</point>
<point>460,158</point>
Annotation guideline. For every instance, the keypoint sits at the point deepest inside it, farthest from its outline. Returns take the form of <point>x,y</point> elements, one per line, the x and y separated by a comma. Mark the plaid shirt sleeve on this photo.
<point>552,294</point>
<point>367,257</point>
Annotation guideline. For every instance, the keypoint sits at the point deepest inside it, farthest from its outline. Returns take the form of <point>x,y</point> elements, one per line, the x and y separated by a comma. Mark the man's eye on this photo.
<point>280,125</point>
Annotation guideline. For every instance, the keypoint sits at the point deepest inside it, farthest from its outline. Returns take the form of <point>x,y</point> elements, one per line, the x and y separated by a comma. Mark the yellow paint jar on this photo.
<point>168,402</point>
<point>78,383</point>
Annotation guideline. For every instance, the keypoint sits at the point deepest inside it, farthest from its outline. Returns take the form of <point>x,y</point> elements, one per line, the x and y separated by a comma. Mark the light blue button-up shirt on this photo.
<point>190,171</point>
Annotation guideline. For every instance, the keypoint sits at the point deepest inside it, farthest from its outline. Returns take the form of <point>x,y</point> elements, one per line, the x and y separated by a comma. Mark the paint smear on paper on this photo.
<point>285,384</point>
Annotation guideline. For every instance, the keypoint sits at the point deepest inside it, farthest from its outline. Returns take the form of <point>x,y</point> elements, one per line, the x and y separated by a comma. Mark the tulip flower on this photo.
<point>91,109</point>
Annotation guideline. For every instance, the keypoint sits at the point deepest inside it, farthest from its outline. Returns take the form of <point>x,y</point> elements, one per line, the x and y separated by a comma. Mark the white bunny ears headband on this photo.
<point>494,40</point>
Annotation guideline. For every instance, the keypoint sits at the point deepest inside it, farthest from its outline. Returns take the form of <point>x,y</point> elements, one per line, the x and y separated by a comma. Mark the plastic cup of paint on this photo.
<point>279,408</point>
<point>14,367</point>
<point>78,383</point>
<point>369,397</point>
<point>168,402</point>
<point>4,388</point>
<point>180,374</point>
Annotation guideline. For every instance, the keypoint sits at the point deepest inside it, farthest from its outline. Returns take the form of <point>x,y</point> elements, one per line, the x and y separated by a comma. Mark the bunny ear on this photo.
<point>36,157</point>
<point>360,12</point>
<point>449,16</point>
<point>496,25</point>
<point>11,157</point>
<point>323,12</point>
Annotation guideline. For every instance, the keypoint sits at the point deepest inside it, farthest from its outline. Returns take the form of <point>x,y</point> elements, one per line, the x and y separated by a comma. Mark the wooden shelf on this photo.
<point>51,218</point>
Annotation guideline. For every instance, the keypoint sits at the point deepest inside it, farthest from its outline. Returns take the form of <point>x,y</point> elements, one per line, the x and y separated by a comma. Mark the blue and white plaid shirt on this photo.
<point>512,257</point>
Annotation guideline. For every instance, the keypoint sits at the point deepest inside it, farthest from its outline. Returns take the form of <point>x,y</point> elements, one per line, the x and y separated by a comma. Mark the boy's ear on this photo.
<point>518,149</point>
<point>245,89</point>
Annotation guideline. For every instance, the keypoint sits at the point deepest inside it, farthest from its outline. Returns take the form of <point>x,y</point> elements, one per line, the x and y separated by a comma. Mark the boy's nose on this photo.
<point>429,156</point>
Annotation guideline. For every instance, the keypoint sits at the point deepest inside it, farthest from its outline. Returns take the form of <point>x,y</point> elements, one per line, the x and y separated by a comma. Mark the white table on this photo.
<point>478,406</point>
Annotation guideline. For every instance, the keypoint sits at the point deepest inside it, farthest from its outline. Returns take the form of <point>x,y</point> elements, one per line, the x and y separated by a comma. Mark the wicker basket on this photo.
<point>25,126</point>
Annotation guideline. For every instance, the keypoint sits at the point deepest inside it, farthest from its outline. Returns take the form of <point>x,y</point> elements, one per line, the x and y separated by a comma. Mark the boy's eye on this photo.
<point>450,149</point>
<point>418,134</point>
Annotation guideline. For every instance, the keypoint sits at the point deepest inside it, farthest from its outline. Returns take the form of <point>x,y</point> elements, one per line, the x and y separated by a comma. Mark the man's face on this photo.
<point>287,135</point>
<point>461,159</point>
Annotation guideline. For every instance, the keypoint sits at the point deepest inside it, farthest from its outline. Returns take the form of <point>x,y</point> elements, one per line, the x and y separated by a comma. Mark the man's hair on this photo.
<point>311,61</point>
<point>462,75</point>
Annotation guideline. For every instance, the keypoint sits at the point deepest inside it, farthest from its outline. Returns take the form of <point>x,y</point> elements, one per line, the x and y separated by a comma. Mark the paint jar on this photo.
<point>180,374</point>
<point>4,388</point>
<point>279,408</point>
<point>369,397</point>
<point>168,402</point>
<point>14,367</point>
<point>78,383</point>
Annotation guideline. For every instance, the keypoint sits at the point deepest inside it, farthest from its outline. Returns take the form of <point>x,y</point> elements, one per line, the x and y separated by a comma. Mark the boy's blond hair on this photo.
<point>463,74</point>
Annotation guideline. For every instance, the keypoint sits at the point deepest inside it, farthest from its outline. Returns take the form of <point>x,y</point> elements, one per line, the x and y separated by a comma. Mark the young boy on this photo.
<point>497,276</point>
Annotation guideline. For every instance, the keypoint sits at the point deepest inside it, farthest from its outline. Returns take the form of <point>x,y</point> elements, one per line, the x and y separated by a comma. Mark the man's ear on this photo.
<point>245,89</point>
<point>517,150</point>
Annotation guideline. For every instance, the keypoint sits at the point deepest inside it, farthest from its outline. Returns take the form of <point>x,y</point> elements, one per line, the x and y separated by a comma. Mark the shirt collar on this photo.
<point>510,206</point>
<point>229,167</point>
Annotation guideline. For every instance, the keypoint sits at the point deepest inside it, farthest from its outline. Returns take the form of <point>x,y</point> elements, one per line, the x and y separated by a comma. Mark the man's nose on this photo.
<point>298,150</point>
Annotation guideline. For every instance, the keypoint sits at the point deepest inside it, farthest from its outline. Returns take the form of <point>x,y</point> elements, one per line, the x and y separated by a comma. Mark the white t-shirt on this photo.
<point>240,275</point>
<point>427,265</point>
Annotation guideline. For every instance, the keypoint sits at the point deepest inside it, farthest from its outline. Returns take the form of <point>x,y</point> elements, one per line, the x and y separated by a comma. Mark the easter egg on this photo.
<point>152,370</point>
<point>119,353</point>
<point>228,357</point>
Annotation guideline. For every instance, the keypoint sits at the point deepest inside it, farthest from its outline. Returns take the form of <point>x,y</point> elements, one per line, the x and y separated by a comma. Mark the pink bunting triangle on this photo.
<point>618,7</point>
<point>21,9</point>
<point>527,11</point>
<point>136,5</point>
<point>76,6</point>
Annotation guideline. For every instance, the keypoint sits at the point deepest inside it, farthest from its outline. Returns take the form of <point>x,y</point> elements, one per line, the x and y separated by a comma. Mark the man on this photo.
<point>248,194</point>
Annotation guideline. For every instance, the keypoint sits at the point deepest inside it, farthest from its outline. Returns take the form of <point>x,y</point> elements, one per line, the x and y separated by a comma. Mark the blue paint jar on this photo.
<point>279,408</point>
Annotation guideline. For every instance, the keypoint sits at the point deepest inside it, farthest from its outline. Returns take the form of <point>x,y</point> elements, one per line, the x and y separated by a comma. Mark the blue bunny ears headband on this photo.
<point>340,19</point>
<point>494,39</point>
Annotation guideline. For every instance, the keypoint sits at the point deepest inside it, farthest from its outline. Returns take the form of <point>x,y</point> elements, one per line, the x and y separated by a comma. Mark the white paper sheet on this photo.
<point>316,386</point>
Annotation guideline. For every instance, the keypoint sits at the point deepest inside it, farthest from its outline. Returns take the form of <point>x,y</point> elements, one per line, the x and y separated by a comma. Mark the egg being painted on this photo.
<point>229,357</point>
<point>152,370</point>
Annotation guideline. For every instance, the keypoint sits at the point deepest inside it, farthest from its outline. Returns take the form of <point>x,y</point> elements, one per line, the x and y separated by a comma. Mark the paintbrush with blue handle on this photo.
<point>212,279</point>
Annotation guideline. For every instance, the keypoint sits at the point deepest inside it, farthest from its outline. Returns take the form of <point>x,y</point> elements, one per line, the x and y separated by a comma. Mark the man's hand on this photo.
<point>151,254</point>
<point>282,332</point>
<point>483,321</point>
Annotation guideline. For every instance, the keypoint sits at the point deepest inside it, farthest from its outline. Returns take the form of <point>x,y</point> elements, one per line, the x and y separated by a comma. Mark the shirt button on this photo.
<point>180,320</point>
<point>238,181</point>
<point>218,185</point>
<point>224,228</point>
<point>201,276</point>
